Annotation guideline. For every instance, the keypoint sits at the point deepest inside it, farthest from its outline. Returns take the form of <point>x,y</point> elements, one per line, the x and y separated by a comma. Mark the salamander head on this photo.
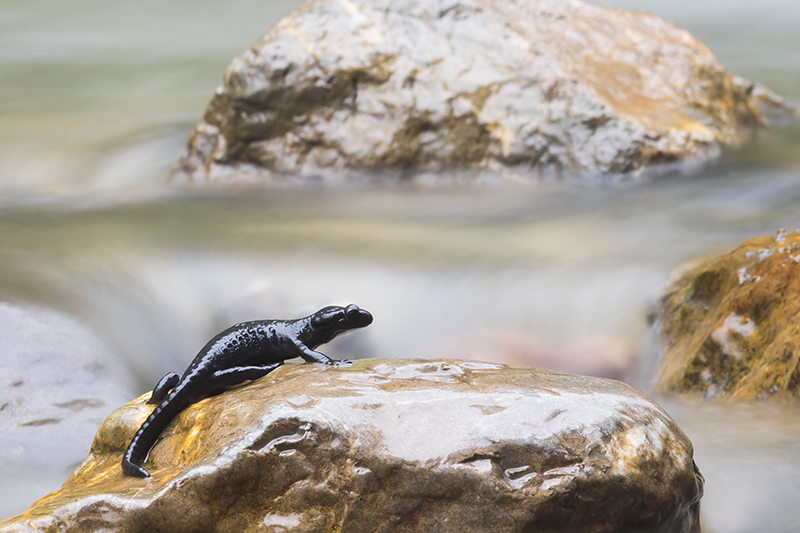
<point>328,322</point>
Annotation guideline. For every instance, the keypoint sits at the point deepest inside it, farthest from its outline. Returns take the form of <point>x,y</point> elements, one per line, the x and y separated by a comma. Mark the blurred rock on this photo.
<point>57,383</point>
<point>480,85</point>
<point>729,326</point>
<point>392,445</point>
<point>599,356</point>
<point>775,110</point>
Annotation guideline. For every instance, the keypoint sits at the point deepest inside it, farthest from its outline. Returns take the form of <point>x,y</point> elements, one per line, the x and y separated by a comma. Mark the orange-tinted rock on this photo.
<point>392,445</point>
<point>730,327</point>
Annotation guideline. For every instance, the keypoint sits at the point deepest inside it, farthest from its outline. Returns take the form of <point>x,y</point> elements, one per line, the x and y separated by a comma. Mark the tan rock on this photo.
<point>548,85</point>
<point>392,445</point>
<point>729,326</point>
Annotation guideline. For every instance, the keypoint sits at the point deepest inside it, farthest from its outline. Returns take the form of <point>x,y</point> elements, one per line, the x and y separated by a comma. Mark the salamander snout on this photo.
<point>357,317</point>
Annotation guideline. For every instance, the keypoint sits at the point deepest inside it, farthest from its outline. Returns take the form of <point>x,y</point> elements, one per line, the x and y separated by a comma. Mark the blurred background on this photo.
<point>117,276</point>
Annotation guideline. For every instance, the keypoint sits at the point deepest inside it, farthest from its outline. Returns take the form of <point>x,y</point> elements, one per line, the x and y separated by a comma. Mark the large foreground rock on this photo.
<point>728,326</point>
<point>392,445</point>
<point>549,85</point>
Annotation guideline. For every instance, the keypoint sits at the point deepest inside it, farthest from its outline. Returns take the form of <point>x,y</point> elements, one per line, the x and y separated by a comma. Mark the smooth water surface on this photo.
<point>96,99</point>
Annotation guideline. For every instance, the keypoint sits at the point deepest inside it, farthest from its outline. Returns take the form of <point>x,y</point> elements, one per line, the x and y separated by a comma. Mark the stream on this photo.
<point>97,98</point>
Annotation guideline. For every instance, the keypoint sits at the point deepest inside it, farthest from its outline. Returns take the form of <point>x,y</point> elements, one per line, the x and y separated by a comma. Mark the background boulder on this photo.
<point>553,86</point>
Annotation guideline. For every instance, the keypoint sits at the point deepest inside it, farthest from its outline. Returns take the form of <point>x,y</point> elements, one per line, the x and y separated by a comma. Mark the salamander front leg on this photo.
<point>163,387</point>
<point>310,356</point>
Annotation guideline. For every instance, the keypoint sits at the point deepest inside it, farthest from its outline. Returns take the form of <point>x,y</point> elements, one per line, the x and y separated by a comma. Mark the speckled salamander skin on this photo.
<point>246,351</point>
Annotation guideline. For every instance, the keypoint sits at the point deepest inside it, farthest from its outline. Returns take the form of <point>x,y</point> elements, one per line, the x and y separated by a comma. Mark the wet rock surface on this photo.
<point>481,85</point>
<point>729,326</point>
<point>57,384</point>
<point>392,445</point>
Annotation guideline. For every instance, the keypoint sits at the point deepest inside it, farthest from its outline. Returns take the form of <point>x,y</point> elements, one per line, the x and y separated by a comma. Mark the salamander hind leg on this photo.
<point>238,374</point>
<point>163,387</point>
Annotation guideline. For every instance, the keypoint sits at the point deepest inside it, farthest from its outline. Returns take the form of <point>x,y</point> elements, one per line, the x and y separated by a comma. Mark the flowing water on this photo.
<point>96,99</point>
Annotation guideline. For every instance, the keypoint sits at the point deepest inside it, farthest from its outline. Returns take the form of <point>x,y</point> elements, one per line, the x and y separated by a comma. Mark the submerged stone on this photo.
<point>728,326</point>
<point>392,445</point>
<point>480,85</point>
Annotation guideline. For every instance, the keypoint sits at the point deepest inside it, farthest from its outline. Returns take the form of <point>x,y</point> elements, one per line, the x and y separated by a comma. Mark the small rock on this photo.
<point>728,327</point>
<point>392,445</point>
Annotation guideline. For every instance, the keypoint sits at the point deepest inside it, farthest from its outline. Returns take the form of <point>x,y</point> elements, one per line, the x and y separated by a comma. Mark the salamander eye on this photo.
<point>352,312</point>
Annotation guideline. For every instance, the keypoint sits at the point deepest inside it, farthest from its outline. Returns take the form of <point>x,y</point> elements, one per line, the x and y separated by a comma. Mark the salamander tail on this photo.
<point>133,470</point>
<point>147,435</point>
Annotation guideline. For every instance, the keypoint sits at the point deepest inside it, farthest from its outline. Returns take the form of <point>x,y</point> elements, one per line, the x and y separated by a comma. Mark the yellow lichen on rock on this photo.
<point>730,327</point>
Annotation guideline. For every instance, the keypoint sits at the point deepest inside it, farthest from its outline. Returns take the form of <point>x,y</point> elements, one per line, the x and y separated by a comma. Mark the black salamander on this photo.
<point>246,351</point>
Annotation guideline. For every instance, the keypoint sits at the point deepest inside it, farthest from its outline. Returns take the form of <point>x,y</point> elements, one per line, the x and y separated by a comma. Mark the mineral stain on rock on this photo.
<point>392,445</point>
<point>729,326</point>
<point>80,405</point>
<point>41,422</point>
